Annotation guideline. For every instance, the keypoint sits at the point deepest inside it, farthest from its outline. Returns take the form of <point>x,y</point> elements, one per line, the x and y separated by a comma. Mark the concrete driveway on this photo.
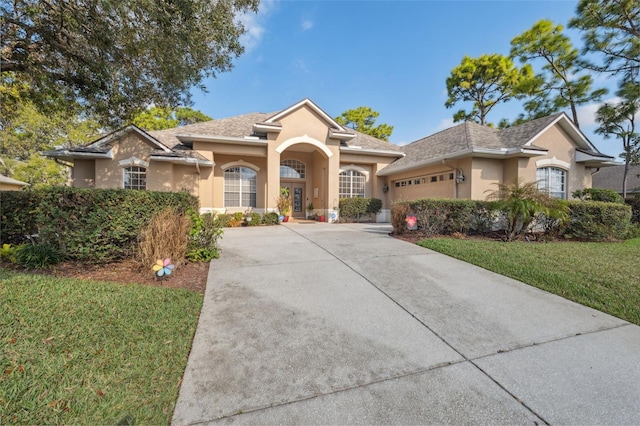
<point>312,323</point>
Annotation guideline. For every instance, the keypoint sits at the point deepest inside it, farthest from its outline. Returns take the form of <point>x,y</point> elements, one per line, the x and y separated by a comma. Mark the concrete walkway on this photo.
<point>312,323</point>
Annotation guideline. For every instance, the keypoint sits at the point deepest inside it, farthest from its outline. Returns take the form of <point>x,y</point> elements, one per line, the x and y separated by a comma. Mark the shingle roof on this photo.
<point>237,126</point>
<point>467,137</point>
<point>611,178</point>
<point>369,142</point>
<point>518,136</point>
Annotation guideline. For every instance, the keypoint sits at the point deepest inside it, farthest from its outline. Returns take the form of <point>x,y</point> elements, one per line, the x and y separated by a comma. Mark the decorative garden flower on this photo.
<point>163,267</point>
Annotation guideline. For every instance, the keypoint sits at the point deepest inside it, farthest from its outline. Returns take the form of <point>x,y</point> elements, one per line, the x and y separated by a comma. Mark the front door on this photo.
<point>296,195</point>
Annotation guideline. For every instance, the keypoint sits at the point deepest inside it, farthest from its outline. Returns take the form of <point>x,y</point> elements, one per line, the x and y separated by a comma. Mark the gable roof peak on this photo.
<point>333,124</point>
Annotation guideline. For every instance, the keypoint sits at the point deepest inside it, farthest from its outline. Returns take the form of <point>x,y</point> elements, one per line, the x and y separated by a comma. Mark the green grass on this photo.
<point>82,352</point>
<point>604,276</point>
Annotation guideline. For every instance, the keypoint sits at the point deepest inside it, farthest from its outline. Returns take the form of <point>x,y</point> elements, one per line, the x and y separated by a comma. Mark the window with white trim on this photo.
<point>240,185</point>
<point>352,184</point>
<point>135,177</point>
<point>292,169</point>
<point>553,181</point>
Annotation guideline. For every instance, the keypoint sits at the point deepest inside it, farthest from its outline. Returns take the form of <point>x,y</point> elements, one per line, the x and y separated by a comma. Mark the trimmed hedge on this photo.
<point>87,224</point>
<point>353,208</point>
<point>439,216</point>
<point>598,221</point>
<point>588,220</point>
<point>634,202</point>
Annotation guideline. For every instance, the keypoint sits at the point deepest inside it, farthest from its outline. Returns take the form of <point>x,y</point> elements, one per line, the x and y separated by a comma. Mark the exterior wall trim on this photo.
<point>134,161</point>
<point>552,162</point>
<point>240,163</point>
<point>304,139</point>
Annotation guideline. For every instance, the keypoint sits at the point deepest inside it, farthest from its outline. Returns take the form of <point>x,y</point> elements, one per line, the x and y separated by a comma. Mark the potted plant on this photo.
<point>309,210</point>
<point>282,202</point>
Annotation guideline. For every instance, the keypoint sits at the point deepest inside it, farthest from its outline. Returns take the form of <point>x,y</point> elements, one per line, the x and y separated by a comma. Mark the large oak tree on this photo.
<point>116,57</point>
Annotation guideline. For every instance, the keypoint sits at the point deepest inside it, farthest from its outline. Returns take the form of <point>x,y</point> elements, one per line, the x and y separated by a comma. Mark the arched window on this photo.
<point>135,177</point>
<point>240,185</point>
<point>351,184</point>
<point>553,181</point>
<point>292,169</point>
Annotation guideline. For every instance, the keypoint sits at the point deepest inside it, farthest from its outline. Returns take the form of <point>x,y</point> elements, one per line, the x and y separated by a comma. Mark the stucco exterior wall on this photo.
<point>10,187</point>
<point>486,173</point>
<point>562,151</point>
<point>84,173</point>
<point>109,173</point>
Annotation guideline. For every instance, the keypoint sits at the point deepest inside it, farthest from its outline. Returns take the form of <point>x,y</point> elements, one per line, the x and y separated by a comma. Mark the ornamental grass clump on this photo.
<point>165,236</point>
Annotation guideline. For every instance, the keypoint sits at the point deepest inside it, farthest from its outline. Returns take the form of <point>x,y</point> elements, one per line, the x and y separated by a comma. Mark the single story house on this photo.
<point>241,162</point>
<point>10,184</point>
<point>611,178</point>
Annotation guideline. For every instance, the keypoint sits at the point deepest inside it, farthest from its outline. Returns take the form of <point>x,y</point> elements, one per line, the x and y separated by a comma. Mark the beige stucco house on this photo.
<point>235,163</point>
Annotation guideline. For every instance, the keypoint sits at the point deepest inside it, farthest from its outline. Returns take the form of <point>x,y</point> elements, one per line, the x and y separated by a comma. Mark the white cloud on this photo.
<point>254,24</point>
<point>307,25</point>
<point>587,113</point>
<point>445,123</point>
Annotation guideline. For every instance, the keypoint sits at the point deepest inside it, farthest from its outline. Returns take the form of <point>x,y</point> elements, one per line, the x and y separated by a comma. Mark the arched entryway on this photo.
<point>304,171</point>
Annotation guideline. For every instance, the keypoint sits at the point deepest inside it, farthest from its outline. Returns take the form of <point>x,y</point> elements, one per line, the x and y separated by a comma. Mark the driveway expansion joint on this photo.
<point>425,325</point>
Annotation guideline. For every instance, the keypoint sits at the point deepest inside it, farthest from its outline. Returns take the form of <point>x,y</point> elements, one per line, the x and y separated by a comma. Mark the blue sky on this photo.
<point>393,56</point>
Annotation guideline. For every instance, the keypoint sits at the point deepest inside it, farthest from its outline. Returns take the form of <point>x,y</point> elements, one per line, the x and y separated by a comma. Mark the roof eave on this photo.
<point>272,128</point>
<point>66,154</point>
<point>476,152</point>
<point>335,134</point>
<point>595,160</point>
<point>188,137</point>
<point>179,160</point>
<point>371,151</point>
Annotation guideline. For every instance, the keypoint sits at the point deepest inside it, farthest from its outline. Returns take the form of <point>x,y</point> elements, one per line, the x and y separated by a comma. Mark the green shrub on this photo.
<point>353,208</point>
<point>435,216</point>
<point>223,220</point>
<point>17,212</point>
<point>634,202</point>
<point>270,218</point>
<point>38,255</point>
<point>598,221</point>
<point>8,253</point>
<point>203,238</point>
<point>87,224</point>
<point>256,219</point>
<point>598,194</point>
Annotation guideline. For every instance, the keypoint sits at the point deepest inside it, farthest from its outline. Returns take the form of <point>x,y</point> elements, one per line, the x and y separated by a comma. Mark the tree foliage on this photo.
<point>561,85</point>
<point>158,118</point>
<point>612,28</point>
<point>487,81</point>
<point>26,132</point>
<point>116,57</point>
<point>363,119</point>
<point>618,120</point>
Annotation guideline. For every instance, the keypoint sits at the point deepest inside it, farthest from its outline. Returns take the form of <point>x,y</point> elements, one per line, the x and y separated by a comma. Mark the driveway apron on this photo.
<point>313,323</point>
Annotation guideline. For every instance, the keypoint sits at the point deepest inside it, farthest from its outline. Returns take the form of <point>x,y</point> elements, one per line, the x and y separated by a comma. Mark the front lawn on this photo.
<point>604,276</point>
<point>83,352</point>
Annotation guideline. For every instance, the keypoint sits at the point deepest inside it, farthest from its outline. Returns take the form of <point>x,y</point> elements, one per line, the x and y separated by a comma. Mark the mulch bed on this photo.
<point>190,276</point>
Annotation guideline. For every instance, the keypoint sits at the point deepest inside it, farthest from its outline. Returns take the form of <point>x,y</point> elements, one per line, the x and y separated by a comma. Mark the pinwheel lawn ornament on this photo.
<point>163,267</point>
